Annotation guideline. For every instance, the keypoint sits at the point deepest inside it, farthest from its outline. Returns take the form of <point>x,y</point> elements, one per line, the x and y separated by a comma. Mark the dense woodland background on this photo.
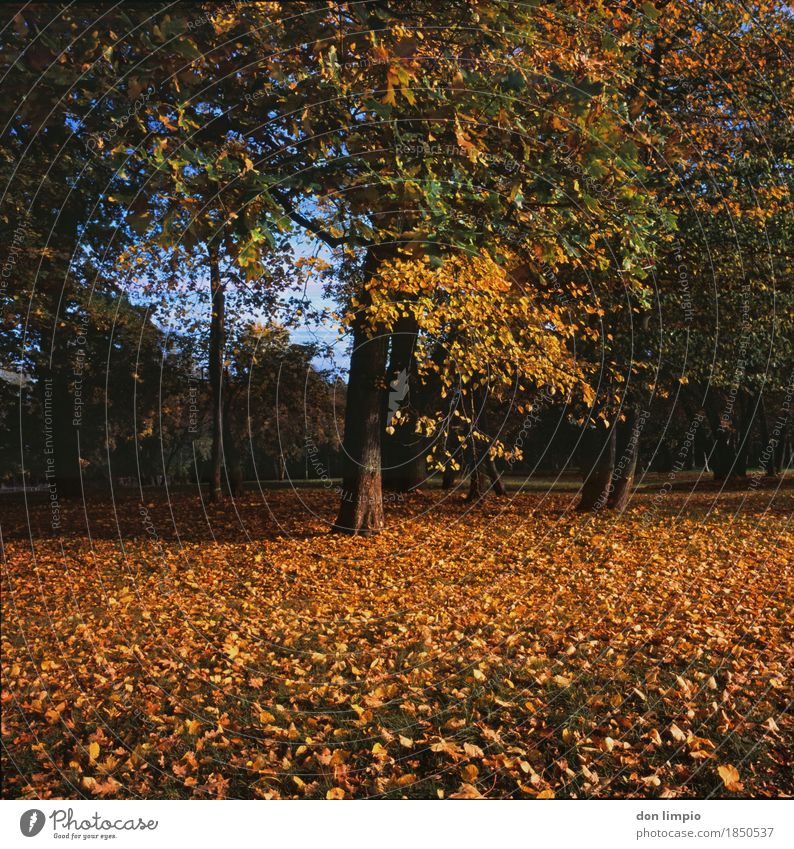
<point>503,200</point>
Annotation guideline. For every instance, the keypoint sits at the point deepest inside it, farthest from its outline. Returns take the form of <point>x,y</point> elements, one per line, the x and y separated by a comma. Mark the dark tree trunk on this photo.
<point>785,451</point>
<point>448,478</point>
<point>702,447</point>
<point>478,480</point>
<point>627,444</point>
<point>749,411</point>
<point>479,485</point>
<point>497,484</point>
<point>692,452</point>
<point>598,468</point>
<point>61,440</point>
<point>231,454</point>
<point>361,510</point>
<point>768,456</point>
<point>732,443</point>
<point>217,345</point>
<point>723,452</point>
<point>403,467</point>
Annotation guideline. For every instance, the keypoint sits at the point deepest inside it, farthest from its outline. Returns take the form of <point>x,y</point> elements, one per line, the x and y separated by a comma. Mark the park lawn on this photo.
<point>512,650</point>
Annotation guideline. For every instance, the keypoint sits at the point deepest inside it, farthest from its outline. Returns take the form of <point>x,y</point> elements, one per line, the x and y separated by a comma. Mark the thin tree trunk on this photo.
<point>448,478</point>
<point>478,480</point>
<point>361,510</point>
<point>598,469</point>
<point>62,455</point>
<point>231,455</point>
<point>768,453</point>
<point>497,484</point>
<point>627,450</point>
<point>216,346</point>
<point>723,453</point>
<point>785,452</point>
<point>749,409</point>
<point>403,457</point>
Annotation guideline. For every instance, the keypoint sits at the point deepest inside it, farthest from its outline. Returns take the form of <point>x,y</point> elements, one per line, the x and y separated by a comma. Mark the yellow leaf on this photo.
<point>467,791</point>
<point>390,99</point>
<point>335,793</point>
<point>729,775</point>
<point>470,772</point>
<point>677,734</point>
<point>93,751</point>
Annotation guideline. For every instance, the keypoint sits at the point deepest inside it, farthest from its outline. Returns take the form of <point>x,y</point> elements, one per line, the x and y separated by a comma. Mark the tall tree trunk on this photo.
<point>785,451</point>
<point>749,414</point>
<point>599,464</point>
<point>497,484</point>
<point>478,480</point>
<point>702,446</point>
<point>627,449</point>
<point>403,458</point>
<point>61,435</point>
<point>723,453</point>
<point>768,453</point>
<point>732,444</point>
<point>62,417</point>
<point>217,345</point>
<point>231,454</point>
<point>361,510</point>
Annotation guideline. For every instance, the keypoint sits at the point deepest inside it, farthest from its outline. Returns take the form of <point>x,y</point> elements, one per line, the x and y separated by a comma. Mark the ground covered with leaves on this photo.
<point>516,649</point>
